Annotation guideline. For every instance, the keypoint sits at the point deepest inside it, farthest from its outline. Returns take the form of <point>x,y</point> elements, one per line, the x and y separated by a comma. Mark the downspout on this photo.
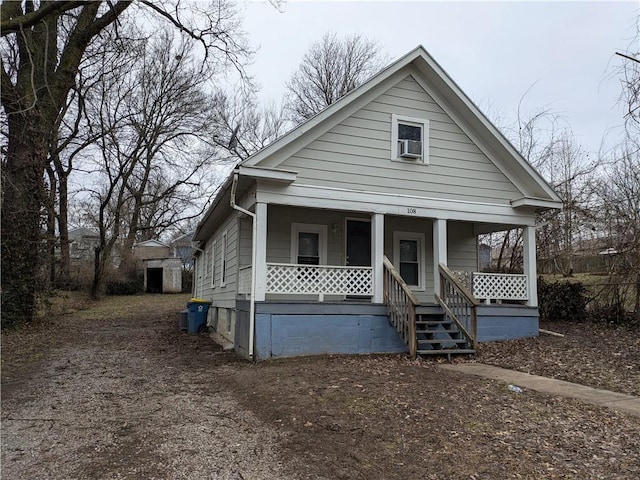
<point>254,243</point>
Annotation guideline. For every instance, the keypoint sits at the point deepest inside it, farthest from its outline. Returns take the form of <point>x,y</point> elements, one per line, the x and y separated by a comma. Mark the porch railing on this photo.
<point>401,305</point>
<point>458,304</point>
<point>500,286</point>
<point>320,280</point>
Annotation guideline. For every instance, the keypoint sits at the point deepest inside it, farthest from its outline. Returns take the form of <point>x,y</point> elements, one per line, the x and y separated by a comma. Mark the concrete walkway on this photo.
<point>605,398</point>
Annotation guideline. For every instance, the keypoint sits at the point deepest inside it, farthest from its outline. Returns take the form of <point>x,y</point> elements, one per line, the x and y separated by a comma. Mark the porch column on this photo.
<point>260,255</point>
<point>377,252</point>
<point>529,263</point>
<point>439,250</point>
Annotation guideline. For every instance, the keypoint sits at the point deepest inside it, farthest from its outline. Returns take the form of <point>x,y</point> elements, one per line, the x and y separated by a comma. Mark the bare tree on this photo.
<point>618,210</point>
<point>40,63</point>
<point>330,69</point>
<point>549,145</point>
<point>240,127</point>
<point>570,172</point>
<point>150,114</point>
<point>629,73</point>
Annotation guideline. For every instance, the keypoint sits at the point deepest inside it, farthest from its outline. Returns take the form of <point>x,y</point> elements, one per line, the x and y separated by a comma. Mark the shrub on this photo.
<point>610,305</point>
<point>563,301</point>
<point>126,286</point>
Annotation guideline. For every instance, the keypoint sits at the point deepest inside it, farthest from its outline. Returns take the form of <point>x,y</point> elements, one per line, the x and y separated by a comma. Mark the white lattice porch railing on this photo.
<point>244,280</point>
<point>321,280</point>
<point>500,286</point>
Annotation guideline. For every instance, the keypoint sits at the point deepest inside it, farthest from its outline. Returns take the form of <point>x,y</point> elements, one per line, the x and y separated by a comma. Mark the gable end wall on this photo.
<point>355,154</point>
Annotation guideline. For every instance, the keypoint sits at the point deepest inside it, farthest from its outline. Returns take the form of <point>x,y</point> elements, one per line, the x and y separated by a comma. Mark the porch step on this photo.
<point>435,335</point>
<point>436,341</point>
<point>428,310</point>
<point>448,351</point>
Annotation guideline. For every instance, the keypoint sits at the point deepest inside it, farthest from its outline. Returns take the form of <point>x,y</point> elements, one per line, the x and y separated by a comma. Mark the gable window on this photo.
<point>308,244</point>
<point>409,139</point>
<point>408,248</point>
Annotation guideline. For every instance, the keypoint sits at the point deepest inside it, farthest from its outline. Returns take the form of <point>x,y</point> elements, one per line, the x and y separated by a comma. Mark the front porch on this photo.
<point>334,295</point>
<point>319,281</point>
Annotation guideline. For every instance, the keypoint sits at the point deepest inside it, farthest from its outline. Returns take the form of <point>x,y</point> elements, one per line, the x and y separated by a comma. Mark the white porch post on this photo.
<point>529,263</point>
<point>439,250</point>
<point>260,259</point>
<point>377,252</point>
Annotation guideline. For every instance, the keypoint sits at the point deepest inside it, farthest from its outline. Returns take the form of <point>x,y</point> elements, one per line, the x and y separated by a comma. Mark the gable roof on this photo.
<point>536,191</point>
<point>82,233</point>
<point>152,243</point>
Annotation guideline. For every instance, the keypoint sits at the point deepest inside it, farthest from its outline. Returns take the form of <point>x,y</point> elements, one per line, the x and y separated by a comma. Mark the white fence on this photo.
<point>320,280</point>
<point>499,286</point>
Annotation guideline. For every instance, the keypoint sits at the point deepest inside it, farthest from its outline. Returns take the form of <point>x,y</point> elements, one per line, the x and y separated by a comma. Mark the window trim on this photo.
<point>420,122</point>
<point>420,238</point>
<point>321,230</point>
<point>213,263</point>
<point>223,260</point>
<point>208,259</point>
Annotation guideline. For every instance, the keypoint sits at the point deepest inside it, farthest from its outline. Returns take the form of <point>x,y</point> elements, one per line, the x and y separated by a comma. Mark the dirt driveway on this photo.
<point>115,391</point>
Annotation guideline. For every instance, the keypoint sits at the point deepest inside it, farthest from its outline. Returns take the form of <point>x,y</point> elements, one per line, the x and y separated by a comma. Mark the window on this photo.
<point>308,244</point>
<point>408,248</point>
<point>213,263</point>
<point>409,139</point>
<point>309,248</point>
<point>223,258</point>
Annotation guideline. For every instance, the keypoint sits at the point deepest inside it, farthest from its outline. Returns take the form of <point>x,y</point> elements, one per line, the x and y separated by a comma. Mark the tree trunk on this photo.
<point>63,222</point>
<point>97,287</point>
<point>51,226</point>
<point>23,193</point>
<point>637,304</point>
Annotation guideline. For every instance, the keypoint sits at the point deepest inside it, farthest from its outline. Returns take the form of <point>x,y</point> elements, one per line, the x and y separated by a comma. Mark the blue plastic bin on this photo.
<point>197,315</point>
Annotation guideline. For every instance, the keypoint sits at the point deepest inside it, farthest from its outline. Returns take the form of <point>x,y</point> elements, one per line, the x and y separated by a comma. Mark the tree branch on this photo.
<point>628,57</point>
<point>14,24</point>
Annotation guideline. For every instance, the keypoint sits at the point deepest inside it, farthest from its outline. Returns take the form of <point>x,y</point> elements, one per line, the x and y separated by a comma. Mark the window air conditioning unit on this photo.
<point>410,148</point>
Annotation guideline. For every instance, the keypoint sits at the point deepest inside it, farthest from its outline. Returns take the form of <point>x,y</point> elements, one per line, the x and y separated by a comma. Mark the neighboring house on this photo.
<point>82,244</point>
<point>162,272</point>
<point>340,237</point>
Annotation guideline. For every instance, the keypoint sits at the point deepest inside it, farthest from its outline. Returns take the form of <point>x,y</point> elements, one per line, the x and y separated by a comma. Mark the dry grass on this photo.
<point>114,390</point>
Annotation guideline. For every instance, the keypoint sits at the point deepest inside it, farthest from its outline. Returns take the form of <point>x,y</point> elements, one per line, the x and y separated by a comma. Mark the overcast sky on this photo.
<point>495,51</point>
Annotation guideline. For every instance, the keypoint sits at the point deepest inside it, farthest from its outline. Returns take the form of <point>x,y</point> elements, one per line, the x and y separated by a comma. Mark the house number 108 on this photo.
<point>411,211</point>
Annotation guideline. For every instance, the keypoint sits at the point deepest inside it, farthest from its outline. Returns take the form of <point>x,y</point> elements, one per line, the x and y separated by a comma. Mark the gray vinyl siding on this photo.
<point>355,154</point>
<point>245,242</point>
<point>279,224</point>
<point>462,247</point>
<point>223,296</point>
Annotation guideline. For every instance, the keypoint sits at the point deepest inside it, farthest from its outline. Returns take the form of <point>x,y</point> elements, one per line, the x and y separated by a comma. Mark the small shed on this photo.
<point>162,272</point>
<point>162,275</point>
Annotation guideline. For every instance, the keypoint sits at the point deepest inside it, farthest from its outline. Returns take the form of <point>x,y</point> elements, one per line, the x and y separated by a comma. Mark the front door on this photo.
<point>358,243</point>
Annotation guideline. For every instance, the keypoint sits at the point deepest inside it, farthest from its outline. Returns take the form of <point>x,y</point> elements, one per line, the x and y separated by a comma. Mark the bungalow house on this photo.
<point>351,233</point>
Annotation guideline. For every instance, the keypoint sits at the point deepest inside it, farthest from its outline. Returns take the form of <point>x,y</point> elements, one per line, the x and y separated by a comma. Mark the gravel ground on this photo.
<point>126,398</point>
<point>105,393</point>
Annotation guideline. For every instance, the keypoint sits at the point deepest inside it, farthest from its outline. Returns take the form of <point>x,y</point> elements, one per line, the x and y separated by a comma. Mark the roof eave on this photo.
<point>538,203</point>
